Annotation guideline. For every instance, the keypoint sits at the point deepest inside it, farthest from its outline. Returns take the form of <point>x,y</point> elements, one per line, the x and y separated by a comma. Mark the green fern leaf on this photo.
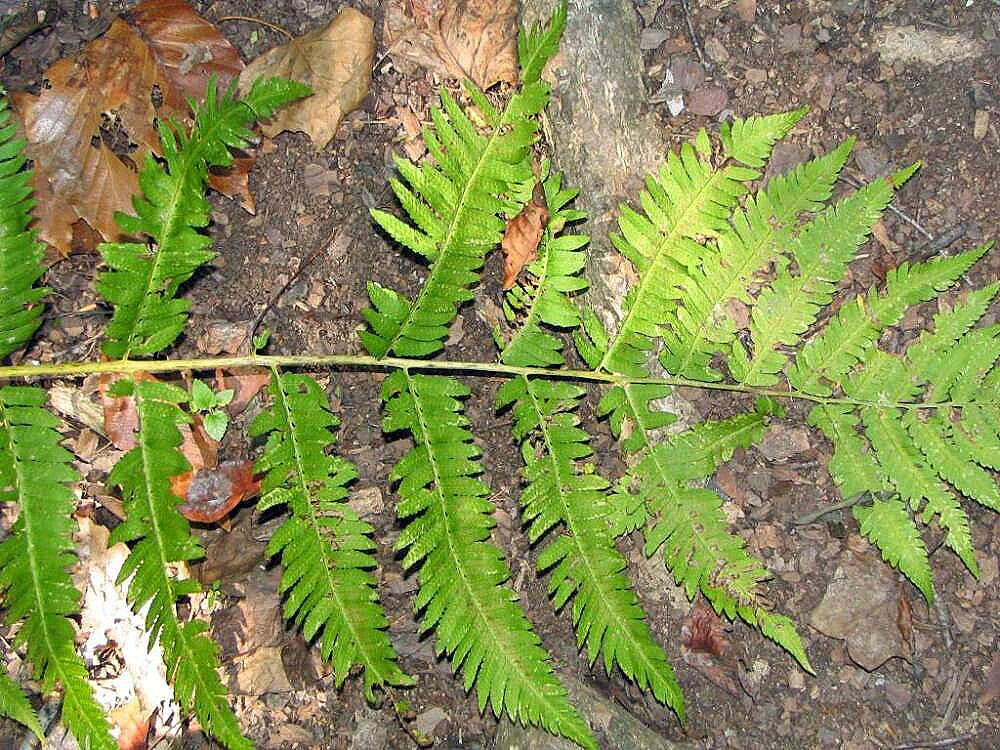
<point>854,330</point>
<point>689,199</point>
<point>785,309</point>
<point>546,300</point>
<point>933,437</point>
<point>585,564</point>
<point>14,704</point>
<point>462,592</point>
<point>325,548</point>
<point>36,557</point>
<point>889,527</point>
<point>21,254</point>
<point>853,467</point>
<point>145,278</point>
<point>539,44</point>
<point>757,235</point>
<point>455,203</point>
<point>160,535</point>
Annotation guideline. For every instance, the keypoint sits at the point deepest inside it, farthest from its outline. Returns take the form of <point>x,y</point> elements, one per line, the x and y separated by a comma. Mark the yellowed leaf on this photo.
<point>336,61</point>
<point>475,39</point>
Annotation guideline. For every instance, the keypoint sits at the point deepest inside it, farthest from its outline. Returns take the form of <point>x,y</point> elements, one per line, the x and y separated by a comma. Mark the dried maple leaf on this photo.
<point>522,235</point>
<point>336,61</point>
<point>474,39</point>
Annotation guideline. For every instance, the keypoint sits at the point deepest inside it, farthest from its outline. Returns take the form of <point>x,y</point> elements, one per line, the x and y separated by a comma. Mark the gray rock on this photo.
<point>616,728</point>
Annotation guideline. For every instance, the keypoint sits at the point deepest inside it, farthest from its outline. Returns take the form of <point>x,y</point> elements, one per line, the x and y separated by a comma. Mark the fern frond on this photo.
<point>14,704</point>
<point>786,308</point>
<point>455,204</point>
<point>688,199</point>
<point>145,277</point>
<point>159,536</point>
<point>757,234</point>
<point>21,254</point>
<point>325,548</point>
<point>584,563</point>
<point>35,559</point>
<point>546,299</point>
<point>849,334</point>
<point>887,525</point>
<point>462,592</point>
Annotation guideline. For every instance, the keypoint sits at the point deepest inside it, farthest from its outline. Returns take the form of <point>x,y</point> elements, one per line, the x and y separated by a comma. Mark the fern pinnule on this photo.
<point>325,548</point>
<point>21,255</point>
<point>35,559</point>
<point>785,309</point>
<point>462,576</point>
<point>842,343</point>
<point>171,212</point>
<point>159,535</point>
<point>14,704</point>
<point>455,205</point>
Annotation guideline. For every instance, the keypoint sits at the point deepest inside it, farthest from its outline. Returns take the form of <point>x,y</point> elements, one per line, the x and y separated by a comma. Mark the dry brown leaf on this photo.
<point>108,87</point>
<point>210,494</point>
<point>991,688</point>
<point>523,233</point>
<point>746,10</point>
<point>187,48</point>
<point>703,631</point>
<point>474,39</point>
<point>336,61</point>
<point>113,73</point>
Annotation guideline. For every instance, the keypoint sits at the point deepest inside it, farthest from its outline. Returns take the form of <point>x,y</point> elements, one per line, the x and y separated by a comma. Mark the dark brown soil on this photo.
<point>823,54</point>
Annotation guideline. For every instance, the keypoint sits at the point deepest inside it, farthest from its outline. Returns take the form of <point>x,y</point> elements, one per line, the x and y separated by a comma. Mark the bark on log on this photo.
<point>603,137</point>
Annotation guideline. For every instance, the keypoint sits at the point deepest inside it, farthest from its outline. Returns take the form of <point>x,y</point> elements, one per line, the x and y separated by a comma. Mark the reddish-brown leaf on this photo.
<point>246,382</point>
<point>210,494</point>
<point>121,420</point>
<point>187,48</point>
<point>523,233</point>
<point>106,92</point>
<point>703,631</point>
<point>904,619</point>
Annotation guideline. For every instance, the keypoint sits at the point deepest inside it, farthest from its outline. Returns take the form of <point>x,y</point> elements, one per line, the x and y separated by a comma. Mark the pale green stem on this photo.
<point>360,361</point>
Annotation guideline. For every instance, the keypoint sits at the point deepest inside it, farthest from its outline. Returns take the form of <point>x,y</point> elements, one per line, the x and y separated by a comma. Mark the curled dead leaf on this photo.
<point>210,494</point>
<point>475,39</point>
<point>336,61</point>
<point>522,235</point>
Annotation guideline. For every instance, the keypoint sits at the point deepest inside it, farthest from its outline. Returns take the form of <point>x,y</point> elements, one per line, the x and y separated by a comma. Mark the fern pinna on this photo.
<point>36,474</point>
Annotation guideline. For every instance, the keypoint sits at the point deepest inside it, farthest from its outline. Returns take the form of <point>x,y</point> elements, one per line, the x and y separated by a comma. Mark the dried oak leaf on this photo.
<point>188,49</point>
<point>522,235</point>
<point>114,73</point>
<point>107,91</point>
<point>475,39</point>
<point>336,61</point>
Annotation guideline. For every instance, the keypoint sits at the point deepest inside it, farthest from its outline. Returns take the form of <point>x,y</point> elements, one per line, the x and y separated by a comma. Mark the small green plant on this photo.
<point>915,432</point>
<point>211,405</point>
